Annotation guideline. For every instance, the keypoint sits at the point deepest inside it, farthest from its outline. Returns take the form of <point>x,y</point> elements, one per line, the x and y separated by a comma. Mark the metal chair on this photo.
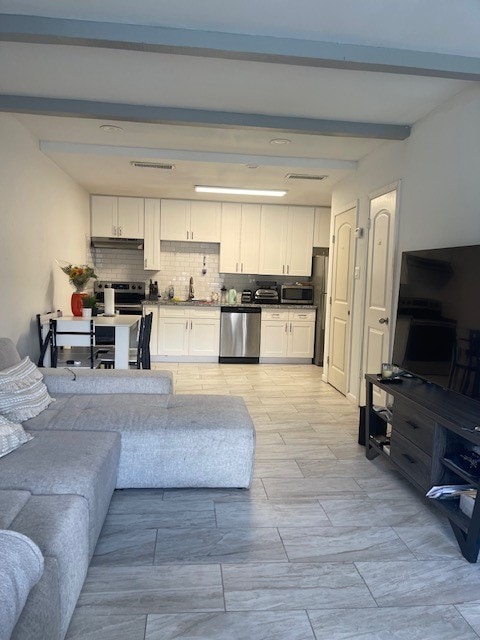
<point>139,357</point>
<point>44,332</point>
<point>73,342</point>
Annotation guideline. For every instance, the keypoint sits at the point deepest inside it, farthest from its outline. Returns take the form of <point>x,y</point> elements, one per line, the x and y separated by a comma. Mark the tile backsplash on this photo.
<point>180,260</point>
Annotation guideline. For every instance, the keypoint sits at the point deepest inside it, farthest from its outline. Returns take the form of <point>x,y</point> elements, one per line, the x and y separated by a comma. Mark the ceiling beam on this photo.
<point>198,117</point>
<point>234,46</point>
<point>82,148</point>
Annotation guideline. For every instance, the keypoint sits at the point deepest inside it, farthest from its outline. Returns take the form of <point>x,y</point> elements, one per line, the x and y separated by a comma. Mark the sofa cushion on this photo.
<point>23,394</point>
<point>167,441</point>
<point>58,524</point>
<point>117,381</point>
<point>67,462</point>
<point>21,567</point>
<point>8,353</point>
<point>41,613</point>
<point>12,435</point>
<point>102,412</point>
<point>12,502</point>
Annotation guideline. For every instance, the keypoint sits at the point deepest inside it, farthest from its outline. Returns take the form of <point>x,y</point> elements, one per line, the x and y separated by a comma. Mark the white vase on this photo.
<point>87,313</point>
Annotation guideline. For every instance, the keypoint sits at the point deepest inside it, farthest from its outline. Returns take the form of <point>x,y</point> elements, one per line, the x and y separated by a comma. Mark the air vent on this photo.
<point>153,165</point>
<point>304,176</point>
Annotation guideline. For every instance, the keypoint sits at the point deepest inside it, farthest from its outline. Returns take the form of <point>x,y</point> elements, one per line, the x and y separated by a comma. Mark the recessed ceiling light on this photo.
<point>280,141</point>
<point>252,166</point>
<point>111,128</point>
<point>240,192</point>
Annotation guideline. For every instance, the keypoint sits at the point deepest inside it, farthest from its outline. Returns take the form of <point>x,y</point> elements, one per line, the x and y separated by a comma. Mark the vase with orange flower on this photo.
<point>78,275</point>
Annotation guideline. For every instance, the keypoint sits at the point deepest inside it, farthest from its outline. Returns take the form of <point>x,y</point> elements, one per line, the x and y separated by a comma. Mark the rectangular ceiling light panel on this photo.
<point>240,192</point>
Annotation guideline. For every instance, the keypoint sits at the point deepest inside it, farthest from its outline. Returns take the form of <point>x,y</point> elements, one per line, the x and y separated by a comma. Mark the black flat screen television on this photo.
<point>437,330</point>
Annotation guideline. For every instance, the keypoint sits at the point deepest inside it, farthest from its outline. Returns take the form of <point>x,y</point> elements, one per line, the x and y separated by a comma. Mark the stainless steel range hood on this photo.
<point>116,243</point>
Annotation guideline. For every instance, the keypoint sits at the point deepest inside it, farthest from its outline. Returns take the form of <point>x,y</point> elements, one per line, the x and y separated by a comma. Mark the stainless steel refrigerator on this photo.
<point>319,281</point>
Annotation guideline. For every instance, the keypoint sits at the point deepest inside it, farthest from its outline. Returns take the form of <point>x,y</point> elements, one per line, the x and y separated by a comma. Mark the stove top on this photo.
<point>126,293</point>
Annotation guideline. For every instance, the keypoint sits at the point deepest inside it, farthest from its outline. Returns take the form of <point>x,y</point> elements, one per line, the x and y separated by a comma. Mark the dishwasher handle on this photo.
<point>239,309</point>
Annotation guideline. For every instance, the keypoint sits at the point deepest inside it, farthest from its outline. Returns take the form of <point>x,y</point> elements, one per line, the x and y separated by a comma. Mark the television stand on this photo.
<point>426,438</point>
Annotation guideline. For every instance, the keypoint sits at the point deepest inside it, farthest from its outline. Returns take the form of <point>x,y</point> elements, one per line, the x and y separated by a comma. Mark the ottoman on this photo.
<point>167,441</point>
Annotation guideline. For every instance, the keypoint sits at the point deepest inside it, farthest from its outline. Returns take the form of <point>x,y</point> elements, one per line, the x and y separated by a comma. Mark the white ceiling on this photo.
<point>100,160</point>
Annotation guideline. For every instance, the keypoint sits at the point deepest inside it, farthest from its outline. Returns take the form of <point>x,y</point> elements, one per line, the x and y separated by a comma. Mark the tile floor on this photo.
<point>326,545</point>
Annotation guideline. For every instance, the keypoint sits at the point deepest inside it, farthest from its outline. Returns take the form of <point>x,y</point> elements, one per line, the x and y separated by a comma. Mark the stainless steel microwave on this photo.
<point>296,293</point>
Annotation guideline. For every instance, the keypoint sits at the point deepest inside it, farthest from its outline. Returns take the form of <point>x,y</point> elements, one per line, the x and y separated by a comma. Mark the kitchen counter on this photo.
<point>207,303</point>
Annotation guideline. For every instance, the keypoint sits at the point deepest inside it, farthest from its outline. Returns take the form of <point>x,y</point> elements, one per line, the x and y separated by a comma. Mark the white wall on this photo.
<point>44,215</point>
<point>439,198</point>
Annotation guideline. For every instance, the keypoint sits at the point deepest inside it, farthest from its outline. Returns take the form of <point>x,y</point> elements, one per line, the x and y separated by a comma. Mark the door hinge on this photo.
<point>369,223</point>
<point>328,359</point>
<point>330,300</point>
<point>333,239</point>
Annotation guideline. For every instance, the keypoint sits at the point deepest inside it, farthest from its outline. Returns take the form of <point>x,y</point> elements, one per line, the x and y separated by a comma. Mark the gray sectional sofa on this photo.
<point>105,430</point>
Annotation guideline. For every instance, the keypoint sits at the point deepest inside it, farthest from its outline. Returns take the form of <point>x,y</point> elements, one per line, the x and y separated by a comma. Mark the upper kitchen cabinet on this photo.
<point>240,238</point>
<point>190,220</point>
<point>117,217</point>
<point>151,245</point>
<point>286,240</point>
<point>321,229</point>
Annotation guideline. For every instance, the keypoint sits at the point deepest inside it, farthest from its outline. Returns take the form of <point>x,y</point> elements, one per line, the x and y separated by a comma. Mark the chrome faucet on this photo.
<point>191,292</point>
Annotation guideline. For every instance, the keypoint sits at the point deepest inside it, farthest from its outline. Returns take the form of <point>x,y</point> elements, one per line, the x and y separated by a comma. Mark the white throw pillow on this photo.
<point>11,436</point>
<point>23,394</point>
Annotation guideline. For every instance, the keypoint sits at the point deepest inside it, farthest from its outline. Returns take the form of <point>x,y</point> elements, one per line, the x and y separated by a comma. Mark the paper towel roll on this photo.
<point>109,302</point>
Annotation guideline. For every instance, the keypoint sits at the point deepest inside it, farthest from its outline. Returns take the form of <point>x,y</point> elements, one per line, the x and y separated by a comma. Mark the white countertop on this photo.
<point>108,321</point>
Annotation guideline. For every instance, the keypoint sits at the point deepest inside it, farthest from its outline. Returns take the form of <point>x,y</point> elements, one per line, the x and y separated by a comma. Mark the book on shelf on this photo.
<point>467,502</point>
<point>451,491</point>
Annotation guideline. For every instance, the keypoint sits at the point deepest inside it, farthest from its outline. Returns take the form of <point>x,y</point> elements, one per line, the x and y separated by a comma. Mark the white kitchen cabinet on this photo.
<point>287,335</point>
<point>175,219</point>
<point>190,220</point>
<point>153,308</point>
<point>117,217</point>
<point>301,334</point>
<point>188,333</point>
<point>274,334</point>
<point>205,221</point>
<point>299,241</point>
<point>204,337</point>
<point>172,336</point>
<point>273,239</point>
<point>321,227</point>
<point>151,245</point>
<point>286,236</point>
<point>240,238</point>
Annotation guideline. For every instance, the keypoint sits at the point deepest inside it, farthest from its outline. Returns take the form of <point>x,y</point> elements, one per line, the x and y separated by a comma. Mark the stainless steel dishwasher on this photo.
<point>240,334</point>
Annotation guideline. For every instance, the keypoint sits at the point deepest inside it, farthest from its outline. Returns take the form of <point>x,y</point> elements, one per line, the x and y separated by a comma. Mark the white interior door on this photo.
<point>379,283</point>
<point>342,288</point>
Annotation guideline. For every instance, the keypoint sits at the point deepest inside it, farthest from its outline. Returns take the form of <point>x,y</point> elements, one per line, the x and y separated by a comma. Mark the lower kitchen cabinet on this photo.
<point>188,334</point>
<point>287,335</point>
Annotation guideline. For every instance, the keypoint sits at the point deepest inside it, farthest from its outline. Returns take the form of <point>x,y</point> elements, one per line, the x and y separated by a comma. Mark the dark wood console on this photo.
<point>427,430</point>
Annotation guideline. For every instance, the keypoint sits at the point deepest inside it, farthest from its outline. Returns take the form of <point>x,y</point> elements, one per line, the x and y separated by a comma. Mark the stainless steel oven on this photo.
<point>128,301</point>
<point>296,293</point>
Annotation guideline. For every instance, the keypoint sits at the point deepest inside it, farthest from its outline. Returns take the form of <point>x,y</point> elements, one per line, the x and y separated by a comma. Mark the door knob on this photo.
<point>383,321</point>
